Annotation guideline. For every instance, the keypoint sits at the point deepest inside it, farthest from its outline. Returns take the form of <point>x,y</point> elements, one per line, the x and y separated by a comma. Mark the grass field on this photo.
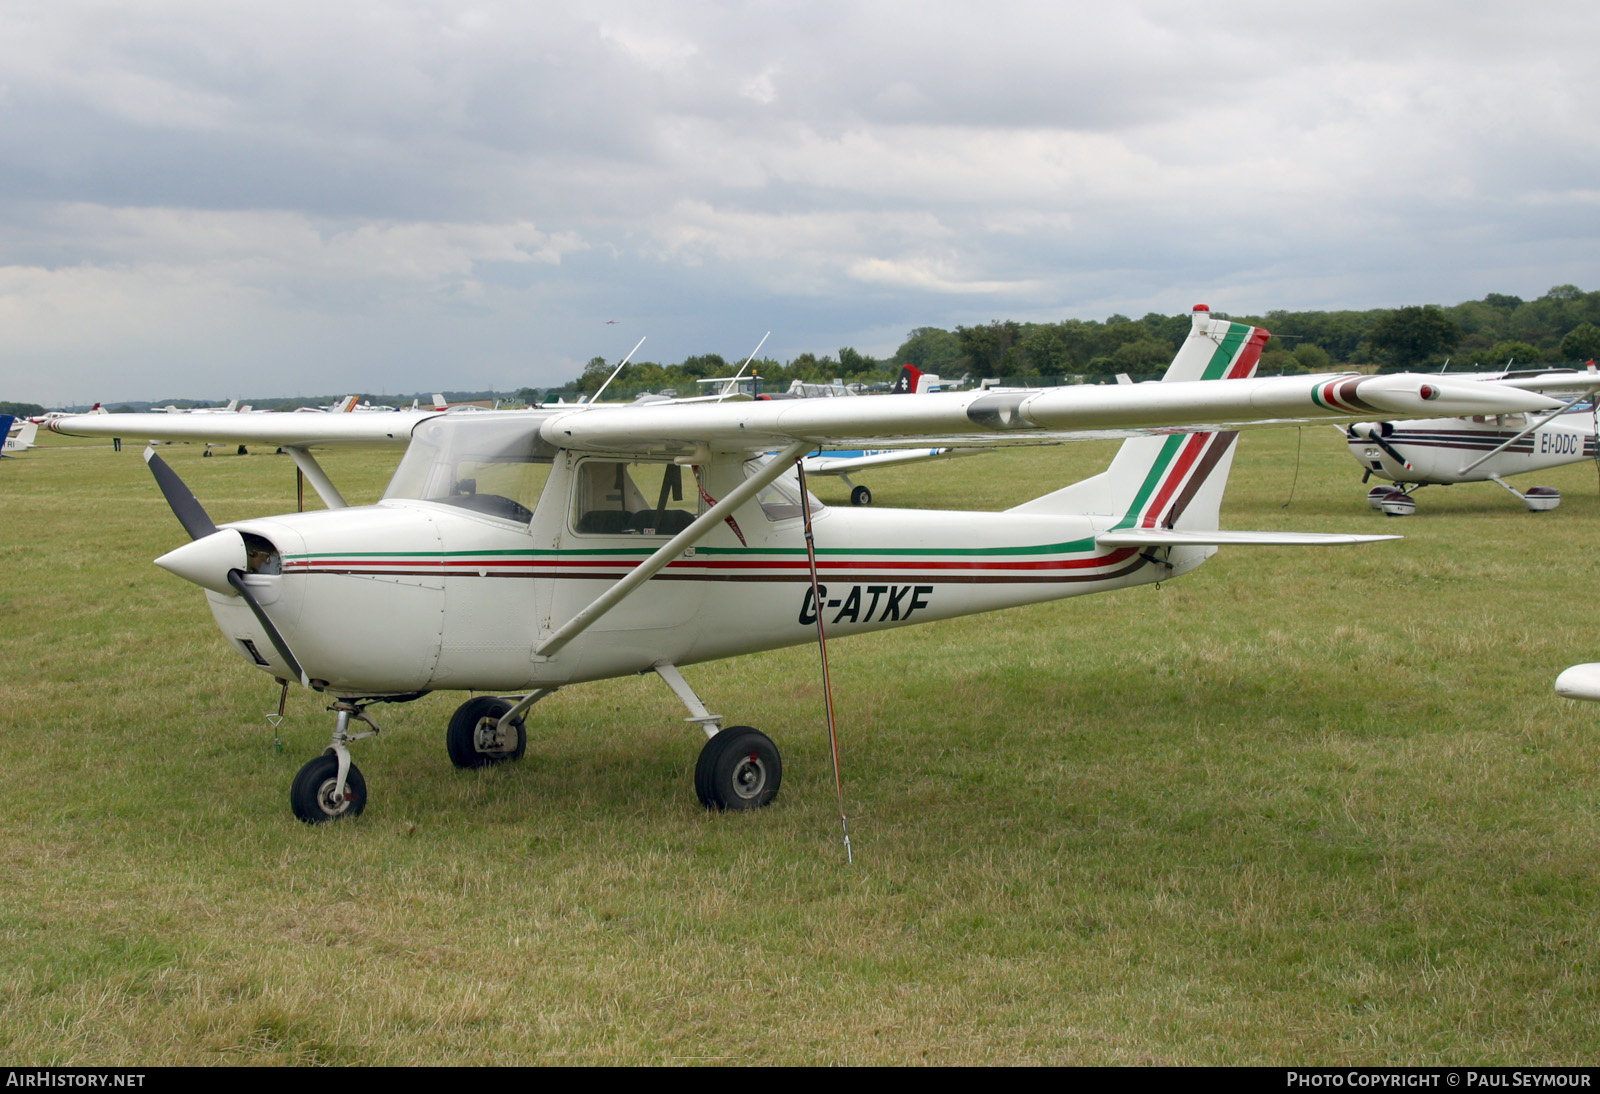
<point>1315,806</point>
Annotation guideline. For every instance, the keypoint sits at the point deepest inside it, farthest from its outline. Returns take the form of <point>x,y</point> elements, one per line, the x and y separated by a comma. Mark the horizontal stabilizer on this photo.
<point>1166,537</point>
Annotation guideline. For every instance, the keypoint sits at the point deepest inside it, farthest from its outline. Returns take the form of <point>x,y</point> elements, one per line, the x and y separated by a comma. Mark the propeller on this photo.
<point>213,550</point>
<point>1376,437</point>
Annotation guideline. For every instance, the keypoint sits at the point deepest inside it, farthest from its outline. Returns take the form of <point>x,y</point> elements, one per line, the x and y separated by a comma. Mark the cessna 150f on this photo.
<point>1479,447</point>
<point>515,553</point>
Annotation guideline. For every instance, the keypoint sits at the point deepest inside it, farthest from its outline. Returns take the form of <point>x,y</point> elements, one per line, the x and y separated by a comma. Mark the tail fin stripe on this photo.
<point>1250,356</point>
<point>1226,351</point>
<point>1220,443</point>
<point>1185,460</point>
<point>1158,467</point>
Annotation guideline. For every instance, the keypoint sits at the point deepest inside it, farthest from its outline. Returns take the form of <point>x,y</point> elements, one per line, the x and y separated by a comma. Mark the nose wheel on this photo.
<point>330,786</point>
<point>317,795</point>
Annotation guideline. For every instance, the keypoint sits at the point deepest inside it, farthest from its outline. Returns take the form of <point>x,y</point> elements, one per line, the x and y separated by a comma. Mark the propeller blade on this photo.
<point>236,579</point>
<point>192,515</point>
<point>185,506</point>
<point>1375,438</point>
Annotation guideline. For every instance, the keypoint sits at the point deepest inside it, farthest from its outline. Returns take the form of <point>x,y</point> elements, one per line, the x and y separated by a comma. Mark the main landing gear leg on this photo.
<point>1538,499</point>
<point>330,786</point>
<point>739,767</point>
<point>859,495</point>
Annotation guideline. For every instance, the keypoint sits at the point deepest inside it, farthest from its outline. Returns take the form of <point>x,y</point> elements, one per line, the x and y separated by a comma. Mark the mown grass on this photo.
<point>1300,806</point>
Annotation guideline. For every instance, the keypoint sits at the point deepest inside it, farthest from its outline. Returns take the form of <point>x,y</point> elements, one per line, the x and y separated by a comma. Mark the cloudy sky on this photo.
<point>204,198</point>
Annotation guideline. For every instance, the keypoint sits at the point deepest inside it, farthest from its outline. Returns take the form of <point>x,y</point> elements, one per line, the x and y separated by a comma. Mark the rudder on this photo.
<point>1177,480</point>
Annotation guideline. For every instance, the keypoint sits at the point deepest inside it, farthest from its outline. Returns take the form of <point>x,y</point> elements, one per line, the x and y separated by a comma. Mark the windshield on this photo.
<point>496,466</point>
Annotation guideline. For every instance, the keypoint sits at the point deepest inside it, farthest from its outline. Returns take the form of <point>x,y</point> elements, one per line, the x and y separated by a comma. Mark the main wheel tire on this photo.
<point>861,496</point>
<point>470,737</point>
<point>739,768</point>
<point>311,794</point>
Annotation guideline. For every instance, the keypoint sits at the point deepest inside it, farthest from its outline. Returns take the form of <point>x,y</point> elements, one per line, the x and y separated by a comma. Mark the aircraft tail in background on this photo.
<point>913,381</point>
<point>22,439</point>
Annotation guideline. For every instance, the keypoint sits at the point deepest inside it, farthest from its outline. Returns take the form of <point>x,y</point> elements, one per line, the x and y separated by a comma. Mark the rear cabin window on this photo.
<point>633,499</point>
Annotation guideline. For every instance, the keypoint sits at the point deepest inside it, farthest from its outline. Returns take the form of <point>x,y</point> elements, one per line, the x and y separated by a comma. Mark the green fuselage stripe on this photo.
<point>1076,546</point>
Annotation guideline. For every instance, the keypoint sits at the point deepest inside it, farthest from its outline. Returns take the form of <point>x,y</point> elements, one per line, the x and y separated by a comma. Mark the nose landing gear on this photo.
<point>330,786</point>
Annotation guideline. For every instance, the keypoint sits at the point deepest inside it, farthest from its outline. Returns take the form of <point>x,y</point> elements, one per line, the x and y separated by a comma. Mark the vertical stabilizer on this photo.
<point>22,439</point>
<point>913,381</point>
<point>1172,481</point>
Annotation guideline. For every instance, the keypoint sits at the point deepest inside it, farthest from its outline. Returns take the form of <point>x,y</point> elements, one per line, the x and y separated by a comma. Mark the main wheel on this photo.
<point>311,795</point>
<point>739,768</point>
<point>861,496</point>
<point>473,737</point>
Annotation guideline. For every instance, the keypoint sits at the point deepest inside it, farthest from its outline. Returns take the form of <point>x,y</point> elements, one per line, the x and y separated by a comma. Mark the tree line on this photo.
<point>1562,326</point>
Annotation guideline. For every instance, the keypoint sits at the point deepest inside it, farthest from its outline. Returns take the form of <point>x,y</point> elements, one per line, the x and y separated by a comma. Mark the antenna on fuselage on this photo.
<point>728,388</point>
<point>595,398</point>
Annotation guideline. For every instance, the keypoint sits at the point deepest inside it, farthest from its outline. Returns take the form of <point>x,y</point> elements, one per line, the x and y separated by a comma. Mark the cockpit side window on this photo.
<point>633,499</point>
<point>780,499</point>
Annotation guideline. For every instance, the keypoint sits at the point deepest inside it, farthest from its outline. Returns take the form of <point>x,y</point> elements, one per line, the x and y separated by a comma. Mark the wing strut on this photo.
<point>311,471</point>
<point>670,550</point>
<point>822,648</point>
<point>1562,409</point>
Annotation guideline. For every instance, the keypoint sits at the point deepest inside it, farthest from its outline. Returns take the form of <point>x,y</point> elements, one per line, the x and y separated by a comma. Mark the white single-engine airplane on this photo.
<point>515,553</point>
<point>1479,447</point>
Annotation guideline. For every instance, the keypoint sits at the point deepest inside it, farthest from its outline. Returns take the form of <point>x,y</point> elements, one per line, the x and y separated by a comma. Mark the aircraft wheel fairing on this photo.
<point>473,738</point>
<point>1397,503</point>
<point>739,769</point>
<point>311,795</point>
<point>1541,499</point>
<point>861,496</point>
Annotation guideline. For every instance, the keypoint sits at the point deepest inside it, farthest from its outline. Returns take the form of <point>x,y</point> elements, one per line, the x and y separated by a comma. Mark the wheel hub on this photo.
<point>328,797</point>
<point>488,738</point>
<point>750,776</point>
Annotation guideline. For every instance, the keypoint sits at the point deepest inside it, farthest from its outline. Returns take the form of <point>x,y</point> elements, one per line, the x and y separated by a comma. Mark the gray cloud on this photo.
<point>229,200</point>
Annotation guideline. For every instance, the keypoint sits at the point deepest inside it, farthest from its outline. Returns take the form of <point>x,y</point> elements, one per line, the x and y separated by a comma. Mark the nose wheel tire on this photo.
<point>312,794</point>
<point>474,738</point>
<point>739,768</point>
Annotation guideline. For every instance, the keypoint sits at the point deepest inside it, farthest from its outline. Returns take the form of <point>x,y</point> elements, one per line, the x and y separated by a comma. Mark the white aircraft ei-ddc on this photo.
<point>1480,447</point>
<point>515,553</point>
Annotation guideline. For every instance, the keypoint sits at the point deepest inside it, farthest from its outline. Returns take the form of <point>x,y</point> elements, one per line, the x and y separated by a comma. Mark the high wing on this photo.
<point>1067,413</point>
<point>1561,382</point>
<point>283,430</point>
<point>946,419</point>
